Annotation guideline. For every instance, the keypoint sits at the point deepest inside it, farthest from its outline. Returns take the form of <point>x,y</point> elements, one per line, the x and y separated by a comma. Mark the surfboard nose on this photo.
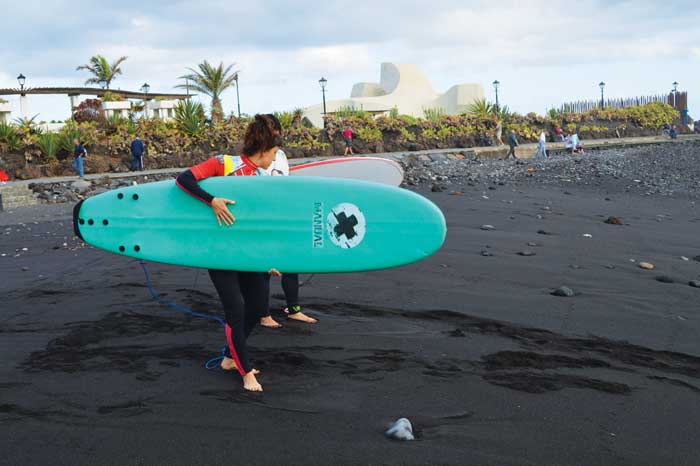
<point>76,216</point>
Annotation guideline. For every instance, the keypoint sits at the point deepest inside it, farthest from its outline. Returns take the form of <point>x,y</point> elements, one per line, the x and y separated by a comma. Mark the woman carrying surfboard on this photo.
<point>244,295</point>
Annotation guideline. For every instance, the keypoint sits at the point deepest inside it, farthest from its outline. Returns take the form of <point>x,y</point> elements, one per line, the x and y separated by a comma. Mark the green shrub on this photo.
<point>67,134</point>
<point>286,119</point>
<point>112,97</point>
<point>408,119</point>
<point>407,135</point>
<point>394,112</point>
<point>189,117</point>
<point>434,114</point>
<point>9,137</point>
<point>369,134</point>
<point>349,111</point>
<point>49,145</point>
<point>481,109</point>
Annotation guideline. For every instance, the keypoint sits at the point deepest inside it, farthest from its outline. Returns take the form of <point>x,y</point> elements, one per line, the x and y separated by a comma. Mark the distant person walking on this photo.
<point>559,134</point>
<point>512,143</point>
<point>499,133</point>
<point>541,149</point>
<point>79,154</point>
<point>137,150</point>
<point>347,136</point>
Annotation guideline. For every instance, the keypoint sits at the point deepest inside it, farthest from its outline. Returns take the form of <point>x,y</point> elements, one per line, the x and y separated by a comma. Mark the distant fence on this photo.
<point>681,102</point>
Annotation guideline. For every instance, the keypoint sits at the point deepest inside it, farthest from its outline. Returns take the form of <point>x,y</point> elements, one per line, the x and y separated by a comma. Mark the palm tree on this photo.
<point>103,71</point>
<point>212,81</point>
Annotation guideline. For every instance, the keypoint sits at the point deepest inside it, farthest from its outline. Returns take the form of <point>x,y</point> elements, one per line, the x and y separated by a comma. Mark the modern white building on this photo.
<point>405,88</point>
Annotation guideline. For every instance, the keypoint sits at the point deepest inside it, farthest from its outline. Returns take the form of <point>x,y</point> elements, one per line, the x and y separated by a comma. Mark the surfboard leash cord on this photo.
<point>211,363</point>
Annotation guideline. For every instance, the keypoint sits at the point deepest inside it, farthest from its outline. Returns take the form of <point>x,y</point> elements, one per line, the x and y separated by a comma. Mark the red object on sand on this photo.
<point>3,176</point>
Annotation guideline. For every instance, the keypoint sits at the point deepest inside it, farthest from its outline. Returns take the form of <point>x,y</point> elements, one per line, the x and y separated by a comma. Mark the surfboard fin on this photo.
<point>76,216</point>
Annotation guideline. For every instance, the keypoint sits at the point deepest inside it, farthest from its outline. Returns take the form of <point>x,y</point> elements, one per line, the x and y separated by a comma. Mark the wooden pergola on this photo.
<point>74,92</point>
<point>96,91</point>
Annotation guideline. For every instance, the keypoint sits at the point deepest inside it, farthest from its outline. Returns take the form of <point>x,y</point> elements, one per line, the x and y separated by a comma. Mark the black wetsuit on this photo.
<point>290,286</point>
<point>244,295</point>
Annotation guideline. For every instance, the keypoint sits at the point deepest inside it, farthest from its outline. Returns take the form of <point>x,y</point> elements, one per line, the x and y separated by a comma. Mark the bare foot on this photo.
<point>229,364</point>
<point>269,322</point>
<point>250,383</point>
<point>301,317</point>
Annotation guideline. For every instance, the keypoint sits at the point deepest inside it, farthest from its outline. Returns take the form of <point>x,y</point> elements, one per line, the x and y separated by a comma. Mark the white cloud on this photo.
<point>544,51</point>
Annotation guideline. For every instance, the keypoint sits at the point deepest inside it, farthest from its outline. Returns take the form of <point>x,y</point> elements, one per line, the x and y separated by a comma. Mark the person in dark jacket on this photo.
<point>137,150</point>
<point>512,143</point>
<point>79,154</point>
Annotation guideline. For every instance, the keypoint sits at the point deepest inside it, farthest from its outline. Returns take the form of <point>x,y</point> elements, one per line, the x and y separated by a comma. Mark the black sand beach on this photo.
<point>469,344</point>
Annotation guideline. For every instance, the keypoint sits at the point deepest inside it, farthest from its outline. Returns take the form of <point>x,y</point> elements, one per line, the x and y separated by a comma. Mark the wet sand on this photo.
<point>473,349</point>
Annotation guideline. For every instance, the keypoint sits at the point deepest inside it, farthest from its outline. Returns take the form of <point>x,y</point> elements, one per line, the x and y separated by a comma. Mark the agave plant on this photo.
<point>27,125</point>
<point>211,81</point>
<point>9,136</point>
<point>481,108</point>
<point>48,144</point>
<point>103,71</point>
<point>189,117</point>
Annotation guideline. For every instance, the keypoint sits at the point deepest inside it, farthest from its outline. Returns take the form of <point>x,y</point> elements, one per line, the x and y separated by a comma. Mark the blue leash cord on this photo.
<point>210,364</point>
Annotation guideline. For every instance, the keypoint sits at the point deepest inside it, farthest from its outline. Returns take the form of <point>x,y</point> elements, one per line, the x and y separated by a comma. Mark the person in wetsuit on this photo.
<point>244,295</point>
<point>290,281</point>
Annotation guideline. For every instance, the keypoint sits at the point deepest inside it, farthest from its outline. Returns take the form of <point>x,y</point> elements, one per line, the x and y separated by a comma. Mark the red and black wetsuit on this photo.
<point>244,295</point>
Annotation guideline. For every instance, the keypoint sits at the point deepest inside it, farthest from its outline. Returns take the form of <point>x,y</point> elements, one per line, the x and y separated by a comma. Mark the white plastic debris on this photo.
<point>401,430</point>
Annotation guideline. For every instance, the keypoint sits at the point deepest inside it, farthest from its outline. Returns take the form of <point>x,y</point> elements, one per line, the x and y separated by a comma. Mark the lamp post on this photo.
<point>323,81</point>
<point>21,79</point>
<point>495,88</point>
<point>238,97</point>
<point>145,88</point>
<point>675,91</point>
<point>602,94</point>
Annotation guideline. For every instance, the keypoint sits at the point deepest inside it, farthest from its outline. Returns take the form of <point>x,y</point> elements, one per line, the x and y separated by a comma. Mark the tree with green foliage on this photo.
<point>103,72</point>
<point>211,81</point>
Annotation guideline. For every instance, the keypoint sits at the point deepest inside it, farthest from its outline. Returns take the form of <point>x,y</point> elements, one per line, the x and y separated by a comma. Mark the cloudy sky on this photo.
<point>543,52</point>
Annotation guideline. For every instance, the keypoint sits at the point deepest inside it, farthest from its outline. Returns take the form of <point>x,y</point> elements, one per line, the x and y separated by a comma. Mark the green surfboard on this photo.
<point>293,224</point>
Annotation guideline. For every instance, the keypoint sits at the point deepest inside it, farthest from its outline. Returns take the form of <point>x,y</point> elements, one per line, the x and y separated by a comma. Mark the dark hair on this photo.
<point>275,122</point>
<point>261,135</point>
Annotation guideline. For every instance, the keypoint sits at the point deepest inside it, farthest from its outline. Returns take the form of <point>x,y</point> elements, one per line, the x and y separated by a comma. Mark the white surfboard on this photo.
<point>374,169</point>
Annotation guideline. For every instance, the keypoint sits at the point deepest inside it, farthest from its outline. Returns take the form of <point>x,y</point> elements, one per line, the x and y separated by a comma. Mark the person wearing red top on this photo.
<point>347,136</point>
<point>244,295</point>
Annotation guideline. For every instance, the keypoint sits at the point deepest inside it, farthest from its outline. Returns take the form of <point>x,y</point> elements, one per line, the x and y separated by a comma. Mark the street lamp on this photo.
<point>602,95</point>
<point>238,97</point>
<point>145,88</point>
<point>21,79</point>
<point>675,91</point>
<point>495,88</point>
<point>323,81</point>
